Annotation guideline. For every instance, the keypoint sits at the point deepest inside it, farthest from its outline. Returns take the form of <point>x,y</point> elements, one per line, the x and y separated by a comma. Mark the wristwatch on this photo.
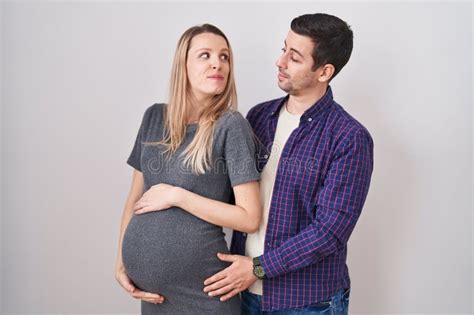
<point>258,269</point>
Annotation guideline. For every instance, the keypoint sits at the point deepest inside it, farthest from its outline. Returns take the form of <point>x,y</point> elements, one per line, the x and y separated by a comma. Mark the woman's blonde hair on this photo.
<point>198,152</point>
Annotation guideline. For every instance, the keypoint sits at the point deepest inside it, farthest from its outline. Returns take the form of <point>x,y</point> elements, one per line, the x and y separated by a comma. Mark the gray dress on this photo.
<point>172,252</point>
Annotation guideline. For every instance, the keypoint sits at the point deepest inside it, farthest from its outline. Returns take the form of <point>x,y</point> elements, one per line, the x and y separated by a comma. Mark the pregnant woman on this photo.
<point>194,174</point>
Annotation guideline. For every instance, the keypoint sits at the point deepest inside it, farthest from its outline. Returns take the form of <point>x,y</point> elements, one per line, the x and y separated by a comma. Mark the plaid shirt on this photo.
<point>320,188</point>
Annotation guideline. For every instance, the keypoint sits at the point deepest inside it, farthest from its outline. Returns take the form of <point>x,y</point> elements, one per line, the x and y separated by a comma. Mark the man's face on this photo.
<point>295,74</point>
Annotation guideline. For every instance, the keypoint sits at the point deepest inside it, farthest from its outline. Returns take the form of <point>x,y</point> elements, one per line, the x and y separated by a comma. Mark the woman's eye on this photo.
<point>293,59</point>
<point>204,55</point>
<point>283,49</point>
<point>225,57</point>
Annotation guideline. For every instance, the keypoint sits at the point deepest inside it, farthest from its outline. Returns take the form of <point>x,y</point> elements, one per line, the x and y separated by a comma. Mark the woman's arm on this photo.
<point>136,191</point>
<point>244,216</point>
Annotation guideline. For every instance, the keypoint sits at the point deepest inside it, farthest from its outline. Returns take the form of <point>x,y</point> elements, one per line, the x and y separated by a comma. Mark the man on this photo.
<point>316,163</point>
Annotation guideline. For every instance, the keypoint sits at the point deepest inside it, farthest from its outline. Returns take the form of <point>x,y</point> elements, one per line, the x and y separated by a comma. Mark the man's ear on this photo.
<point>325,72</point>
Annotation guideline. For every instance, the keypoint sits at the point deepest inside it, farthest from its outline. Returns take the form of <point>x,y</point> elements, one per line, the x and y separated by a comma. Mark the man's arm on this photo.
<point>339,205</point>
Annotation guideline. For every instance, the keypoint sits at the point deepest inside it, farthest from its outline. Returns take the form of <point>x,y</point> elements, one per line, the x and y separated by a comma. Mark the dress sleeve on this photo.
<point>134,160</point>
<point>240,149</point>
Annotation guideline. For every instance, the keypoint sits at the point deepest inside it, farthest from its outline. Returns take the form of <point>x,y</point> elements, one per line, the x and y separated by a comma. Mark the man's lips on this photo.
<point>282,76</point>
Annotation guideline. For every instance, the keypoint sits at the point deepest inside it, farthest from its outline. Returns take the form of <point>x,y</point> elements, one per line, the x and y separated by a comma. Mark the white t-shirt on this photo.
<point>254,245</point>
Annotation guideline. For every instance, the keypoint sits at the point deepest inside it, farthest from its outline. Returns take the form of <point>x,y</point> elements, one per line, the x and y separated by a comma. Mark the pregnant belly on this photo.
<point>171,250</point>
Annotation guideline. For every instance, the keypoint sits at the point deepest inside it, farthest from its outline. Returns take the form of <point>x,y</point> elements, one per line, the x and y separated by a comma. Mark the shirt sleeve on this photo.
<point>240,149</point>
<point>338,206</point>
<point>134,160</point>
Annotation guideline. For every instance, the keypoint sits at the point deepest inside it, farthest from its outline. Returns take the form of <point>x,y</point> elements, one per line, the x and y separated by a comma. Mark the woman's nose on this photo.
<point>216,63</point>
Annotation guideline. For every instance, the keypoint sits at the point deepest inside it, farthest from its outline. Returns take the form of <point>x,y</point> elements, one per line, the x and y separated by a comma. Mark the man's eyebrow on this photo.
<point>296,51</point>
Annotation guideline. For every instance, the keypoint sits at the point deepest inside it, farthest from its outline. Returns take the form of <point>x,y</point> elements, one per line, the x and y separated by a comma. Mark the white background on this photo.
<point>77,77</point>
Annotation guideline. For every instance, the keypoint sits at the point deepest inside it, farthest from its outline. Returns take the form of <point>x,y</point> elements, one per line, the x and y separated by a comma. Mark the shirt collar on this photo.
<point>313,112</point>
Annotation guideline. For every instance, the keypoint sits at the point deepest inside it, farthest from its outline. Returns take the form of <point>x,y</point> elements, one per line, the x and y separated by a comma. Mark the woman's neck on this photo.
<point>195,110</point>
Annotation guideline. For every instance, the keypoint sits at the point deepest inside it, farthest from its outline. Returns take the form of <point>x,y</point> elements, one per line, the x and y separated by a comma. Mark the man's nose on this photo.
<point>281,61</point>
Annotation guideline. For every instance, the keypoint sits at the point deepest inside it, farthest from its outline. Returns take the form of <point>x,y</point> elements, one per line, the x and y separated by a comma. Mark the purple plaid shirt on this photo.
<point>320,188</point>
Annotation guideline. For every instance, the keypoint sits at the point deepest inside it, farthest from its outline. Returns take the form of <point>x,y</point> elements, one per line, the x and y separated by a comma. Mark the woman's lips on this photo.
<point>216,77</point>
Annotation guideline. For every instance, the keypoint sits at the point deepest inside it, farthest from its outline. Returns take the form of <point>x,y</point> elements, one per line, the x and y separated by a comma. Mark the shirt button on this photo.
<point>266,156</point>
<point>310,119</point>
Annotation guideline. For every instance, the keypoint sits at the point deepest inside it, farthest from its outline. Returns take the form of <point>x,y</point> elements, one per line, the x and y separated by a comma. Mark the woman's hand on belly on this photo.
<point>127,284</point>
<point>158,197</point>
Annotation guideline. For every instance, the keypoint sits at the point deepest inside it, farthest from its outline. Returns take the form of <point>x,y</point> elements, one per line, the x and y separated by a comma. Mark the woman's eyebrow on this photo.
<point>206,49</point>
<point>209,49</point>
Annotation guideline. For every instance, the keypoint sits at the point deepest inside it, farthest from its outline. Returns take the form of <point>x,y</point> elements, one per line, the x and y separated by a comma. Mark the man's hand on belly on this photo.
<point>233,279</point>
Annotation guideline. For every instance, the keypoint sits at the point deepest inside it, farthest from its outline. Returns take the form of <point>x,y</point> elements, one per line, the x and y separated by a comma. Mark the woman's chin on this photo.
<point>210,93</point>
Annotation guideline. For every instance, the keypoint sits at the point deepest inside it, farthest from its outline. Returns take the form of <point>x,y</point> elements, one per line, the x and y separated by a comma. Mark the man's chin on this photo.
<point>284,87</point>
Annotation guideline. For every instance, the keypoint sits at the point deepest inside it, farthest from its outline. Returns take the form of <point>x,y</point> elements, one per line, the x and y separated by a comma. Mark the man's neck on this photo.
<point>298,104</point>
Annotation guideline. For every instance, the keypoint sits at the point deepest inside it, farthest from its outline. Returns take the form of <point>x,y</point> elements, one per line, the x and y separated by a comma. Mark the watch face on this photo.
<point>258,270</point>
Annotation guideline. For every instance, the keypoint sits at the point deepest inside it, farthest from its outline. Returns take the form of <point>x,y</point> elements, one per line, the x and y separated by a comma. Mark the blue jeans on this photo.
<point>337,305</point>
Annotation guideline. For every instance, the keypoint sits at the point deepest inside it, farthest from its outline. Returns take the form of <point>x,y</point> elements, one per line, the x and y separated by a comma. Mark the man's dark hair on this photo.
<point>332,38</point>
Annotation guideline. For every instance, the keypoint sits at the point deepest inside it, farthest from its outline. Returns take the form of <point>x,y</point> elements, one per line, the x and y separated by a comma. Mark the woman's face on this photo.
<point>208,65</point>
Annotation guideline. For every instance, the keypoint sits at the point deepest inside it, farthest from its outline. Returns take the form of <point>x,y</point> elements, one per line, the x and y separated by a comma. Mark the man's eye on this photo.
<point>293,59</point>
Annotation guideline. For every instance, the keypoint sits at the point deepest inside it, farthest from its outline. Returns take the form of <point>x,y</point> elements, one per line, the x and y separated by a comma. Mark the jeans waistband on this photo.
<point>344,295</point>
